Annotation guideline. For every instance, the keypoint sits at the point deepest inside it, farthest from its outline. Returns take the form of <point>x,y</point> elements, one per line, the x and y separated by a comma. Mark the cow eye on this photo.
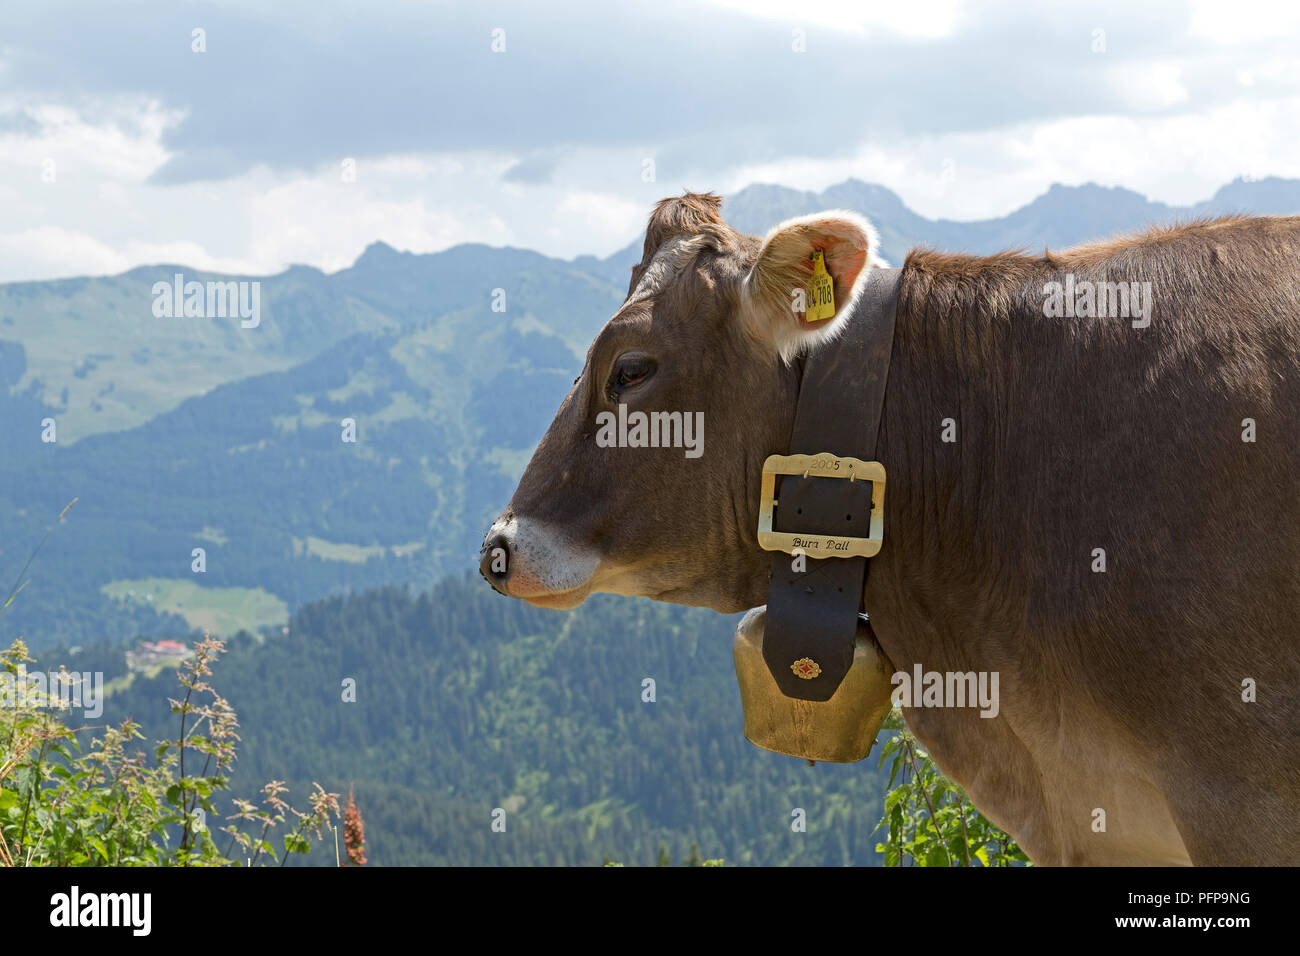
<point>629,371</point>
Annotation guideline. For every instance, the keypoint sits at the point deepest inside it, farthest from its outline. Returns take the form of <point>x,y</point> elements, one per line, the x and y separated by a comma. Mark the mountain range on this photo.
<point>177,434</point>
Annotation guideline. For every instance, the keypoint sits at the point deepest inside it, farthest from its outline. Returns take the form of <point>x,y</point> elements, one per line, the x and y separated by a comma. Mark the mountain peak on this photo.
<point>379,252</point>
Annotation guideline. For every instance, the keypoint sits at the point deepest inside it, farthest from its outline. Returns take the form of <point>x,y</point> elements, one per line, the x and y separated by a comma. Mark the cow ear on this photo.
<point>775,295</point>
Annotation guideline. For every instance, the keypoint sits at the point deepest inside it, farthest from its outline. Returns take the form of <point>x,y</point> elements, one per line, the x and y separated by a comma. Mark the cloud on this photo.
<point>119,137</point>
<point>928,19</point>
<point>295,84</point>
<point>44,252</point>
<point>966,110</point>
<point>534,170</point>
<point>327,223</point>
<point>19,123</point>
<point>607,222</point>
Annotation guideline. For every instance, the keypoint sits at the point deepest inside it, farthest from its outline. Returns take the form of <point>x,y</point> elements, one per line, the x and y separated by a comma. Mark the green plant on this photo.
<point>110,805</point>
<point>930,821</point>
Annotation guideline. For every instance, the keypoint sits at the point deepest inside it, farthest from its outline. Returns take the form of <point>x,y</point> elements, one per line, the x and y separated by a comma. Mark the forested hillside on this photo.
<point>467,701</point>
<point>257,473</point>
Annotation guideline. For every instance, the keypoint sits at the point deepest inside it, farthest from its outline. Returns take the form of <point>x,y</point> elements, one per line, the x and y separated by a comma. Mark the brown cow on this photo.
<point>1103,511</point>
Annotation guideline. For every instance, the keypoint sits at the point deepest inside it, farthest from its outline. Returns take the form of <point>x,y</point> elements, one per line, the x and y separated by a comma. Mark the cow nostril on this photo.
<point>495,562</point>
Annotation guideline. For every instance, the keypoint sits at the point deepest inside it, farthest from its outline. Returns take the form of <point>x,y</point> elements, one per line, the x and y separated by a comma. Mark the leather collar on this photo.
<point>813,604</point>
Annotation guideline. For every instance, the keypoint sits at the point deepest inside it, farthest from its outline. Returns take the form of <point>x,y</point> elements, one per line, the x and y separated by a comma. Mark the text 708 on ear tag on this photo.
<point>821,291</point>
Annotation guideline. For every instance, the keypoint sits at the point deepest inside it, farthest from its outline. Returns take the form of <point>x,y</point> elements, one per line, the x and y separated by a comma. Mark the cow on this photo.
<point>1103,510</point>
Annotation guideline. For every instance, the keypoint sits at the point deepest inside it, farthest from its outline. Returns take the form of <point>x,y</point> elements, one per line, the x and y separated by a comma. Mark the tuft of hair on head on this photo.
<point>681,215</point>
<point>687,216</point>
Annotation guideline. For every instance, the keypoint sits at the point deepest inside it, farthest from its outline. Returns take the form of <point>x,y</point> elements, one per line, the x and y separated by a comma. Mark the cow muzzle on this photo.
<point>532,561</point>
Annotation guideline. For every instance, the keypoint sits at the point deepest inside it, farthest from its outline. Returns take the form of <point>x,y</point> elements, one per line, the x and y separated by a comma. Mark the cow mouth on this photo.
<point>527,587</point>
<point>557,600</point>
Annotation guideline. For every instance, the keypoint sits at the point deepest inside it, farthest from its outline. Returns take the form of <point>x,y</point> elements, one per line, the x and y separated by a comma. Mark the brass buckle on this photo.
<point>822,545</point>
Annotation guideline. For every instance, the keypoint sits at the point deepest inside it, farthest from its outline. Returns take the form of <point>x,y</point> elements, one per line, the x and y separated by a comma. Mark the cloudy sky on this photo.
<point>245,136</point>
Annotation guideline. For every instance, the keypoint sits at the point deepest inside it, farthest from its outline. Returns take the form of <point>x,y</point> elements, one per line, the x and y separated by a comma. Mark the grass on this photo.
<point>352,553</point>
<point>223,611</point>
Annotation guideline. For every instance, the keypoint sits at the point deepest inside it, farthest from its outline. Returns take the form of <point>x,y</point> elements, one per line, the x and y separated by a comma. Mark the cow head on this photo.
<point>700,357</point>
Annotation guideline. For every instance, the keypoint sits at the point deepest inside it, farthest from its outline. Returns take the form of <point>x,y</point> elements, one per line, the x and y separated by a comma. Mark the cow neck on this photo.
<point>813,613</point>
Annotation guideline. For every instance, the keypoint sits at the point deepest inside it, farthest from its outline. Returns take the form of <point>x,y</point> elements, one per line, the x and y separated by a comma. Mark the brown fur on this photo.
<point>1084,433</point>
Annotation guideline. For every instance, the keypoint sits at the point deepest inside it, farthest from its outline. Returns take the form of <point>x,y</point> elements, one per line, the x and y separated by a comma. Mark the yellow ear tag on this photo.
<point>821,291</point>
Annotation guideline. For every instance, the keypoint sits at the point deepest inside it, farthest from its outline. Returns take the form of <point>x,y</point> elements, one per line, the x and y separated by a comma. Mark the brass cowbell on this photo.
<point>839,730</point>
